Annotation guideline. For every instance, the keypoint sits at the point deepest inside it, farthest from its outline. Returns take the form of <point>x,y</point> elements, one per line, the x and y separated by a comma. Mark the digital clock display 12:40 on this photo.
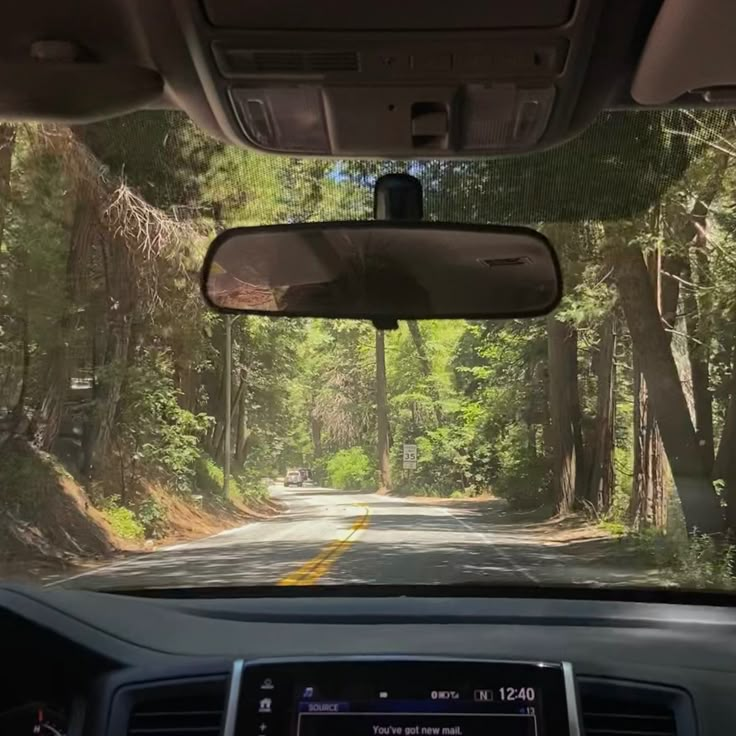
<point>513,694</point>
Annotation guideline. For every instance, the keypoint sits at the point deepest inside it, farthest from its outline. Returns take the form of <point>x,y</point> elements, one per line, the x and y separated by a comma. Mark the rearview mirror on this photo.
<point>383,271</point>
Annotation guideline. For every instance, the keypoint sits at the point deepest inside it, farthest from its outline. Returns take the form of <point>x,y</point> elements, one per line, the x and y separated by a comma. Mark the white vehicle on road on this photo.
<point>293,478</point>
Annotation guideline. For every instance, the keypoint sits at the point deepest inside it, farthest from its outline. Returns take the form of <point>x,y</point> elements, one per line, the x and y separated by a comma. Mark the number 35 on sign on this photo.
<point>410,457</point>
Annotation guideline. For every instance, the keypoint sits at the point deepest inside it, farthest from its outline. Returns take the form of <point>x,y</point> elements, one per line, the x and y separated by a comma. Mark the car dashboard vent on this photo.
<point>181,709</point>
<point>615,708</point>
<point>608,717</point>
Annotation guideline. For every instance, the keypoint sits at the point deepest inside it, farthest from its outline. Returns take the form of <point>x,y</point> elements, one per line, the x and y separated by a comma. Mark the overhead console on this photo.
<point>409,78</point>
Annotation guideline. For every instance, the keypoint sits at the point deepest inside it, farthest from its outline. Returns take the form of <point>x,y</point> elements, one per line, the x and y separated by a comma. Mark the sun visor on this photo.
<point>74,92</point>
<point>690,49</point>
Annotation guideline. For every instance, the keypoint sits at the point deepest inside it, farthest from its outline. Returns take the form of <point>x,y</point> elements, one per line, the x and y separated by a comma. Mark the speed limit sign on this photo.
<point>410,457</point>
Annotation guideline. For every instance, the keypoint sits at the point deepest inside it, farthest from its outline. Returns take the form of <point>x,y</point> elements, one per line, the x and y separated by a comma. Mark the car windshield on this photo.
<point>149,442</point>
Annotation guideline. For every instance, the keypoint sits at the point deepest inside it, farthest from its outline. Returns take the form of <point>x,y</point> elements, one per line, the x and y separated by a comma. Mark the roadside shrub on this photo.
<point>152,517</point>
<point>251,486</point>
<point>245,485</point>
<point>159,434</point>
<point>351,470</point>
<point>442,465</point>
<point>122,520</point>
<point>208,475</point>
<point>695,561</point>
<point>702,563</point>
<point>521,477</point>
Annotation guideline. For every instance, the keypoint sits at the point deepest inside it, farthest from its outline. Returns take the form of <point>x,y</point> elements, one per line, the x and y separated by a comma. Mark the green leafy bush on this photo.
<point>245,485</point>
<point>703,563</point>
<point>695,561</point>
<point>251,486</point>
<point>351,470</point>
<point>122,520</point>
<point>152,517</point>
<point>442,465</point>
<point>159,434</point>
<point>522,477</point>
<point>209,476</point>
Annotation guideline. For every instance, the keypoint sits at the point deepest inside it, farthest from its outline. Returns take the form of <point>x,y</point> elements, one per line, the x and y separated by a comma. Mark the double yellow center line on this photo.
<point>312,570</point>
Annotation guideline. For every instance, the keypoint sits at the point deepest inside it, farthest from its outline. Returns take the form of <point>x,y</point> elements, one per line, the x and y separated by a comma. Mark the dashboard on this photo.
<point>80,663</point>
<point>47,719</point>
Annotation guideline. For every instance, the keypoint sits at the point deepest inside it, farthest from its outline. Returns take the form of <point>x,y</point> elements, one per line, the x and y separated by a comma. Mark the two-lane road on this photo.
<point>329,536</point>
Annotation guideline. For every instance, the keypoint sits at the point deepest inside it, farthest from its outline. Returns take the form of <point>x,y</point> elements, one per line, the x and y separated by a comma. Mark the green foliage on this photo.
<point>246,485</point>
<point>697,561</point>
<point>157,430</point>
<point>522,477</point>
<point>351,469</point>
<point>250,486</point>
<point>152,517</point>
<point>209,477</point>
<point>122,519</point>
<point>703,563</point>
<point>124,312</point>
<point>614,528</point>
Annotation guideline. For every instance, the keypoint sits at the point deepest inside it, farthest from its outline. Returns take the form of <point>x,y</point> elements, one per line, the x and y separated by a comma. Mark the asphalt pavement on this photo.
<point>327,536</point>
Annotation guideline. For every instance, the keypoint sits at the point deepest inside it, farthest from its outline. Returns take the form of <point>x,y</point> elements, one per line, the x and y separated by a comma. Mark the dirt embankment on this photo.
<point>49,524</point>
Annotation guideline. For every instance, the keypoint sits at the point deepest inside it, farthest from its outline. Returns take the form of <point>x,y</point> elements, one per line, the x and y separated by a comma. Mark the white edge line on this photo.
<point>501,552</point>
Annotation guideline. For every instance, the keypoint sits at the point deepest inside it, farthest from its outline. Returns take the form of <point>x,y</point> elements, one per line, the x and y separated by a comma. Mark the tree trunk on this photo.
<point>565,423</point>
<point>7,146</point>
<point>647,505</point>
<point>239,426</point>
<point>384,465</point>
<point>698,308</point>
<point>698,349</point>
<point>216,392</point>
<point>243,431</point>
<point>577,417</point>
<point>694,267</point>
<point>421,348</point>
<point>59,365</point>
<point>19,410</point>
<point>118,350</point>
<point>315,430</point>
<point>107,400</point>
<point>700,504</point>
<point>724,468</point>
<point>671,271</point>
<point>648,497</point>
<point>602,476</point>
<point>219,436</point>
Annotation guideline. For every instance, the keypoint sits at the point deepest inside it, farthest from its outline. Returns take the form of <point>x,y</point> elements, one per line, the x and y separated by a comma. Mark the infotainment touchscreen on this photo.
<point>386,697</point>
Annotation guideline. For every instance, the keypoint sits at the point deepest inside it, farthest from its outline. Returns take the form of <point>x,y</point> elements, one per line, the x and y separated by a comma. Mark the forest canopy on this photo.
<point>623,402</point>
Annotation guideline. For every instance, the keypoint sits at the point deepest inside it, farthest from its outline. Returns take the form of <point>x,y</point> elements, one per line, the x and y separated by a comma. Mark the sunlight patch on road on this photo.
<point>312,570</point>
